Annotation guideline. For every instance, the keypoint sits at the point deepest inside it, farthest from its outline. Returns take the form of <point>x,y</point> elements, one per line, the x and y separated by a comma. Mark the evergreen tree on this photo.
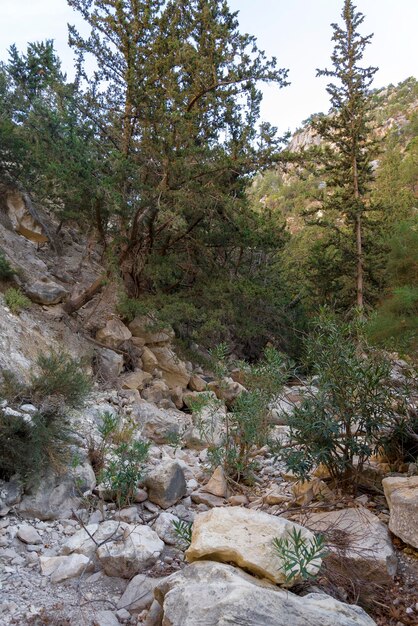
<point>349,148</point>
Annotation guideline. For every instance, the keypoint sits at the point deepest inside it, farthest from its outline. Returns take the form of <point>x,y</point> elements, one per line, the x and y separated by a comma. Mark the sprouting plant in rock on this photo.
<point>16,300</point>
<point>183,531</point>
<point>247,425</point>
<point>96,450</point>
<point>60,376</point>
<point>353,411</point>
<point>300,558</point>
<point>125,469</point>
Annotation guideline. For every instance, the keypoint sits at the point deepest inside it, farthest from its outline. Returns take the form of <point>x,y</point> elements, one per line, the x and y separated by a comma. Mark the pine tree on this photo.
<point>349,147</point>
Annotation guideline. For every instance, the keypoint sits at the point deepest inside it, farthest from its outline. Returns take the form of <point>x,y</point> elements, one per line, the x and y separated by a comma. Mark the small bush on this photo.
<point>16,300</point>
<point>29,447</point>
<point>183,531</point>
<point>124,471</point>
<point>353,412</point>
<point>130,308</point>
<point>61,376</point>
<point>6,270</point>
<point>247,423</point>
<point>301,559</point>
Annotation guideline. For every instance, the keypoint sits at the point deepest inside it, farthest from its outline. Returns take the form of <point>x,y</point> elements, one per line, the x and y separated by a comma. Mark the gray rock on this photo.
<point>402,495</point>
<point>109,364</point>
<point>164,528</point>
<point>105,618</point>
<point>45,292</point>
<point>166,484</point>
<point>137,550</point>
<point>29,535</point>
<point>215,594</point>
<point>160,425</point>
<point>10,494</point>
<point>57,495</point>
<point>139,594</point>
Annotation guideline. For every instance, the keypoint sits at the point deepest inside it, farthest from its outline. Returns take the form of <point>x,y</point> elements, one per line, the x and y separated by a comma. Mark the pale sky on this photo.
<point>297,32</point>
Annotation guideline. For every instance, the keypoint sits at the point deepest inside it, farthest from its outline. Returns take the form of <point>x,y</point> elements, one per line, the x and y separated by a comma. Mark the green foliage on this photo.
<point>183,531</point>
<point>6,270</point>
<point>395,321</point>
<point>351,414</point>
<point>124,471</point>
<point>16,300</point>
<point>129,308</point>
<point>61,376</point>
<point>246,425</point>
<point>299,556</point>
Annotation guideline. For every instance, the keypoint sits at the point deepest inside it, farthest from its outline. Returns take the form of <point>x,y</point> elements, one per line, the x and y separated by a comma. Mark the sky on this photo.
<point>296,32</point>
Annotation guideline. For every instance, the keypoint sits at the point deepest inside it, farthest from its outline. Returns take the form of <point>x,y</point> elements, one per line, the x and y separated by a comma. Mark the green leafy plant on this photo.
<point>123,473</point>
<point>353,411</point>
<point>16,300</point>
<point>247,423</point>
<point>62,376</point>
<point>129,308</point>
<point>183,531</point>
<point>300,558</point>
<point>27,447</point>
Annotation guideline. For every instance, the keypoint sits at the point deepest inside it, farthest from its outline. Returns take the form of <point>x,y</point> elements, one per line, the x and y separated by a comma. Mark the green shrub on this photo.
<point>6,270</point>
<point>350,416</point>
<point>16,300</point>
<point>247,424</point>
<point>130,308</point>
<point>183,531</point>
<point>29,447</point>
<point>123,473</point>
<point>61,376</point>
<point>300,558</point>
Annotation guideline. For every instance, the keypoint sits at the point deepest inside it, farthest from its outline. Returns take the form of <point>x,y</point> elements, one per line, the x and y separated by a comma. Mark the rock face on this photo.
<point>226,389</point>
<point>174,371</point>
<point>113,334</point>
<point>56,496</point>
<point>366,541</point>
<point>139,594</point>
<point>244,537</point>
<point>158,424</point>
<point>144,328</point>
<point>137,549</point>
<point>215,594</point>
<point>10,494</point>
<point>166,484</point>
<point>402,496</point>
<point>45,292</point>
<point>109,364</point>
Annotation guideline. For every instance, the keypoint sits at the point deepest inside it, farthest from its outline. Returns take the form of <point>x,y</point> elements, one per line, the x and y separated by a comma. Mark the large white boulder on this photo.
<point>402,496</point>
<point>215,594</point>
<point>244,537</point>
<point>137,549</point>
<point>160,425</point>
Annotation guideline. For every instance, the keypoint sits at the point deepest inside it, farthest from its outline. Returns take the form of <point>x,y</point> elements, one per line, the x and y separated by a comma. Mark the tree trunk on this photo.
<point>74,304</point>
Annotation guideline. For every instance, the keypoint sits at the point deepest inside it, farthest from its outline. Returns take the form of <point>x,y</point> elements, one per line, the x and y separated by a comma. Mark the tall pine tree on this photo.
<point>349,147</point>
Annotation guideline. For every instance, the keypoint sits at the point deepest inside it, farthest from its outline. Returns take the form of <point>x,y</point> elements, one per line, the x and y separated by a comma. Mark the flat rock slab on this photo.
<point>244,537</point>
<point>359,537</point>
<point>402,496</point>
<point>215,594</point>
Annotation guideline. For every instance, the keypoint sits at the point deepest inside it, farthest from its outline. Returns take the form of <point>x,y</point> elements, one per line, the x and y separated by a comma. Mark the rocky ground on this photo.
<point>70,555</point>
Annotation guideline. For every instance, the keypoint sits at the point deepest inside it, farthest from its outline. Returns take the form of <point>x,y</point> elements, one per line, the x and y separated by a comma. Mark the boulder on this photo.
<point>158,424</point>
<point>10,494</point>
<point>109,364</point>
<point>29,534</point>
<point>61,568</point>
<point>105,618</point>
<point>86,540</point>
<point>226,389</point>
<point>137,550</point>
<point>215,594</point>
<point>174,371</point>
<point>56,496</point>
<point>45,292</point>
<point>196,383</point>
<point>402,496</point>
<point>166,484</point>
<point>113,334</point>
<point>149,360</point>
<point>312,489</point>
<point>207,426</point>
<point>135,380</point>
<point>359,538</point>
<point>244,537</point>
<point>217,484</point>
<point>164,528</point>
<point>139,594</point>
<point>146,329</point>
<point>156,392</point>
